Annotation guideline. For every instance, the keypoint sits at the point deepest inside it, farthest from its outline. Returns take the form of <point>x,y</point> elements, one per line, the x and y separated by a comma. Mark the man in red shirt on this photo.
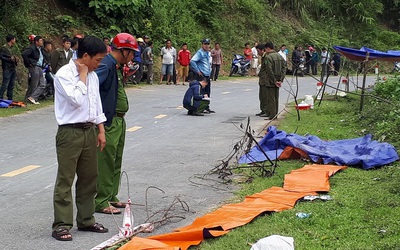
<point>184,60</point>
<point>248,54</point>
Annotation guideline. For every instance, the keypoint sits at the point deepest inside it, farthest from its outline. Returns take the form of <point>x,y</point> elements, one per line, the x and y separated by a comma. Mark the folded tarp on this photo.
<point>352,152</point>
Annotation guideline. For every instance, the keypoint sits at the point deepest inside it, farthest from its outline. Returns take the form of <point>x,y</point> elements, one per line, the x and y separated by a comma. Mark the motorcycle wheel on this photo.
<point>233,71</point>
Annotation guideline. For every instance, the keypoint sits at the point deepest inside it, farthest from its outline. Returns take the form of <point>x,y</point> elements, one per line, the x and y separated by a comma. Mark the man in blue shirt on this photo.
<point>115,105</point>
<point>201,65</point>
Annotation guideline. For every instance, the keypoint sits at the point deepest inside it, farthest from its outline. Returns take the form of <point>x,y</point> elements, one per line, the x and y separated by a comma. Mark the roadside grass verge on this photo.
<point>5,112</point>
<point>364,212</point>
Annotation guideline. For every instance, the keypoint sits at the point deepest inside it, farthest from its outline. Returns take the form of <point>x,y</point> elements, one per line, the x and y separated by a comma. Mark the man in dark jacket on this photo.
<point>9,63</point>
<point>195,99</point>
<point>33,61</point>
<point>61,56</point>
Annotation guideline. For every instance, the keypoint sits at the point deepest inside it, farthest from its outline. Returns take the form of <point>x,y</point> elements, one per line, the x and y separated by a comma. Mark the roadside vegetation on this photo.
<point>323,23</point>
<point>365,208</point>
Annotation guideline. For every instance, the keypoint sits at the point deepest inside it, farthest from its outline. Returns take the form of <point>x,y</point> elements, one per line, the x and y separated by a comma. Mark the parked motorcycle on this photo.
<point>129,72</point>
<point>396,67</point>
<point>240,65</point>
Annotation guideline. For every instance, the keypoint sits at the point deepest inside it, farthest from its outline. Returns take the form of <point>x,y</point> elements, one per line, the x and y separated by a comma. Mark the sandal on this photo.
<point>62,234</point>
<point>109,210</point>
<point>118,204</point>
<point>96,227</point>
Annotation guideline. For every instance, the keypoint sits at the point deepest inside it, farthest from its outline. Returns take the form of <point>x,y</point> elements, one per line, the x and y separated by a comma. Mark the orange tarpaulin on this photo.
<point>310,178</point>
<point>299,183</point>
<point>290,152</point>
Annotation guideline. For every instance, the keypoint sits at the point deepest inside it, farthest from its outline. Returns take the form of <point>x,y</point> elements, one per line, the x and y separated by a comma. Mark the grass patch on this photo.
<point>5,112</point>
<point>365,208</point>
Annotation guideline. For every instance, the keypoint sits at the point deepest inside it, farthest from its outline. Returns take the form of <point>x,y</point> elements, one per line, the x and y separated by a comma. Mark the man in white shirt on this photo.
<point>325,57</point>
<point>78,111</point>
<point>254,61</point>
<point>282,52</point>
<point>168,57</point>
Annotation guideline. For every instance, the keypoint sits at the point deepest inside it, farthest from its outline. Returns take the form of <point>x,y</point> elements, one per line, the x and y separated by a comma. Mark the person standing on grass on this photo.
<point>9,64</point>
<point>217,61</point>
<point>115,105</point>
<point>61,56</point>
<point>33,61</point>
<point>78,112</point>
<point>183,60</point>
<point>200,63</point>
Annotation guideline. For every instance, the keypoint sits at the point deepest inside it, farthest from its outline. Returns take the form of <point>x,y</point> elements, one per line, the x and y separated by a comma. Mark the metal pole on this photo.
<point>364,80</point>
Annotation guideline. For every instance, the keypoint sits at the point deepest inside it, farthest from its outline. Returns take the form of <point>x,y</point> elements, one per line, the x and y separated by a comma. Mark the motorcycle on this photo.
<point>240,65</point>
<point>396,67</point>
<point>129,72</point>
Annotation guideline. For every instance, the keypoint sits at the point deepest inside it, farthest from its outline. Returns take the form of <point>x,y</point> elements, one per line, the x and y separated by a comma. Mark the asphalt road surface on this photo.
<point>165,149</point>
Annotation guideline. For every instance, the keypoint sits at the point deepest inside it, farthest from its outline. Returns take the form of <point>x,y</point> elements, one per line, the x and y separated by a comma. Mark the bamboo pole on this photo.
<point>364,80</point>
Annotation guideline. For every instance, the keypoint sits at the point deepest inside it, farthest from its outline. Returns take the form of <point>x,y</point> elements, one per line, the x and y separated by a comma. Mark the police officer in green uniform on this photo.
<point>275,67</point>
<point>262,82</point>
<point>115,105</point>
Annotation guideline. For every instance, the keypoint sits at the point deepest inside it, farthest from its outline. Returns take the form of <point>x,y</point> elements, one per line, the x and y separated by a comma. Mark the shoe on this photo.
<point>96,227</point>
<point>264,115</point>
<point>261,113</point>
<point>197,114</point>
<point>118,204</point>
<point>183,84</point>
<point>62,234</point>
<point>33,101</point>
<point>190,112</point>
<point>210,111</point>
<point>109,210</point>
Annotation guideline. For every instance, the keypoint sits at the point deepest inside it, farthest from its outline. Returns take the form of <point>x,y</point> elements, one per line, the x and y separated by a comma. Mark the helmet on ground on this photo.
<point>31,37</point>
<point>125,41</point>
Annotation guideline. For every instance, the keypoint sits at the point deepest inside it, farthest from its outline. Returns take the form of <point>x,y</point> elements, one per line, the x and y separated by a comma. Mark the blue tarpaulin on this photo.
<point>362,55</point>
<point>361,151</point>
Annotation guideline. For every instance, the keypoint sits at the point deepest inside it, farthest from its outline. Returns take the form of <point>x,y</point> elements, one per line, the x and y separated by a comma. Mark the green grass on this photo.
<point>5,112</point>
<point>365,210</point>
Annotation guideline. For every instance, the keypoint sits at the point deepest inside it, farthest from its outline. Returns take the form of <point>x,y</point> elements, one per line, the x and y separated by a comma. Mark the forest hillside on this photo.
<point>322,23</point>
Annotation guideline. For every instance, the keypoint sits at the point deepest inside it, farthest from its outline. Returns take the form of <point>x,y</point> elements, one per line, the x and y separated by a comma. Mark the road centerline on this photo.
<point>20,171</point>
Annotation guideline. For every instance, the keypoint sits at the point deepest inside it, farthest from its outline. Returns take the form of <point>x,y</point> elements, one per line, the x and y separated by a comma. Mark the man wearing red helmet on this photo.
<point>115,105</point>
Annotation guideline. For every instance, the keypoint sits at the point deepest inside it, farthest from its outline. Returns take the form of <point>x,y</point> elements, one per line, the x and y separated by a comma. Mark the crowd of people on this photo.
<point>43,61</point>
<point>307,61</point>
<point>90,104</point>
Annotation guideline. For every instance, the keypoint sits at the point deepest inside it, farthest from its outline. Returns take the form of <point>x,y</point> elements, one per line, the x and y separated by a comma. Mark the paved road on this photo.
<point>164,148</point>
